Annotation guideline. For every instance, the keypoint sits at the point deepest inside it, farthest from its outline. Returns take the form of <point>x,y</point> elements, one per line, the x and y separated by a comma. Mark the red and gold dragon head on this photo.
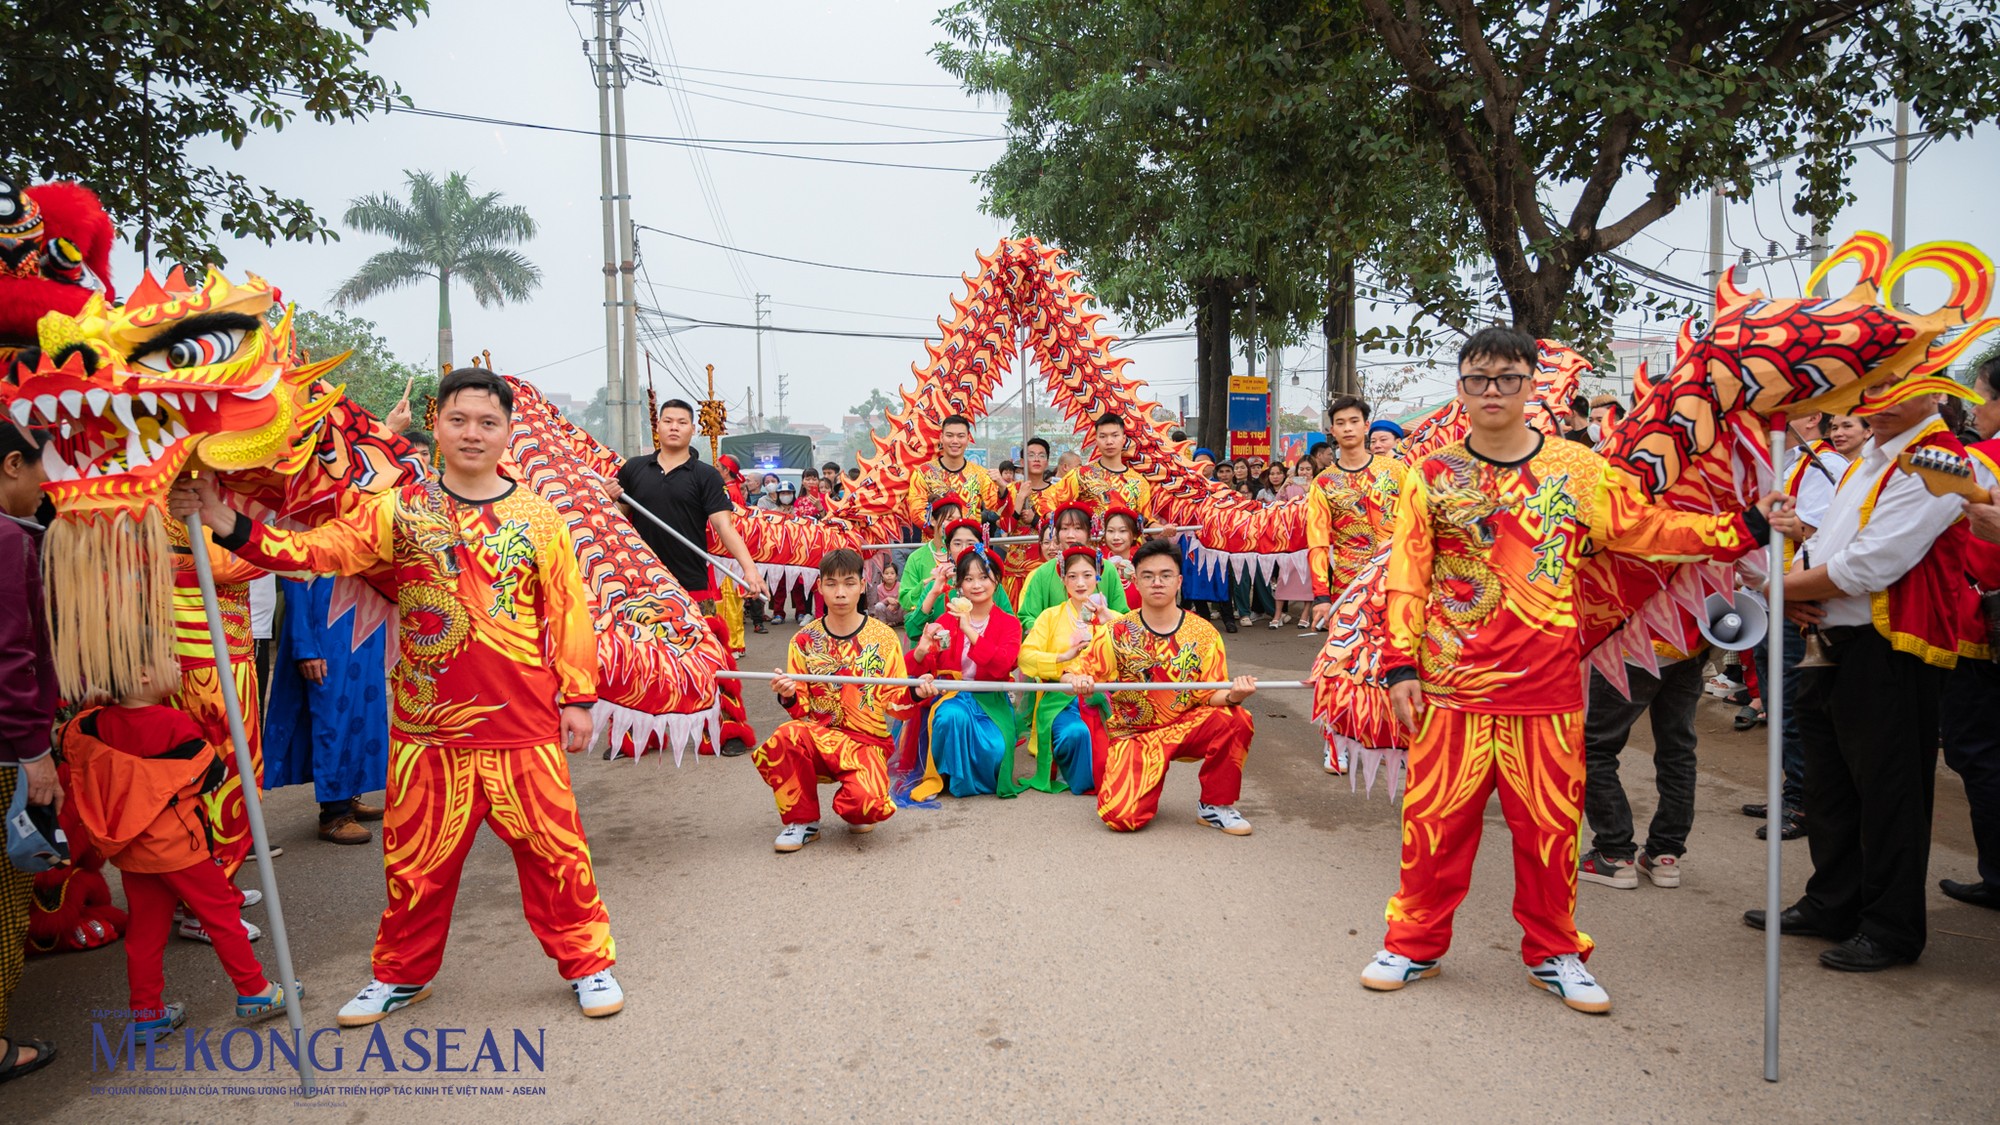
<point>53,239</point>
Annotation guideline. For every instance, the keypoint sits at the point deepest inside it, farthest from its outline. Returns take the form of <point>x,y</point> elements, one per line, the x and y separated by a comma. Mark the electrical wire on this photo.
<point>801,261</point>
<point>843,101</point>
<point>825,81</point>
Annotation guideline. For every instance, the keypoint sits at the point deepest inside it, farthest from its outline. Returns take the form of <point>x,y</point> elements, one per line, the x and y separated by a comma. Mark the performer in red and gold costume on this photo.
<point>1099,479</point>
<point>950,474</point>
<point>495,684</point>
<point>1161,643</point>
<point>838,732</point>
<point>1485,655</point>
<point>1350,509</point>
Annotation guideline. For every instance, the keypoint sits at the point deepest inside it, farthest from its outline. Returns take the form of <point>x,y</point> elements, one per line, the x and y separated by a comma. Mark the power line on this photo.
<point>699,322</point>
<point>802,261</point>
<point>845,101</point>
<point>825,81</point>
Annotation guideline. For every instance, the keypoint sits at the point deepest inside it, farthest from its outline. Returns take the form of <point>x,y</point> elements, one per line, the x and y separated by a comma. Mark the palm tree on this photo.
<point>443,231</point>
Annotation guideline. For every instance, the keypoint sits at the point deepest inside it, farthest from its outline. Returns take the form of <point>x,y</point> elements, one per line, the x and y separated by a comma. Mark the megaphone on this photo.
<point>1735,623</point>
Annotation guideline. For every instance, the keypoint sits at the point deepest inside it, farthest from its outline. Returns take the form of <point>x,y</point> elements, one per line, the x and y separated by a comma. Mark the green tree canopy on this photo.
<point>112,92</point>
<point>1679,97</point>
<point>443,233</point>
<point>374,377</point>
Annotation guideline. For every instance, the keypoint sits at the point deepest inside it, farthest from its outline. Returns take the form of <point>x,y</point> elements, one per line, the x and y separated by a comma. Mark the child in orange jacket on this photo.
<point>137,770</point>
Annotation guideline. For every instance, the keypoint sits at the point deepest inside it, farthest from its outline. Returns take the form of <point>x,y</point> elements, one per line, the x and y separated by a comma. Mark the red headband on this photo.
<point>1082,553</point>
<point>978,529</point>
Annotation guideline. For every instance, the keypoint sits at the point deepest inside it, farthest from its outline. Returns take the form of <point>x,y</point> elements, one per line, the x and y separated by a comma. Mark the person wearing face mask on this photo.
<point>1605,411</point>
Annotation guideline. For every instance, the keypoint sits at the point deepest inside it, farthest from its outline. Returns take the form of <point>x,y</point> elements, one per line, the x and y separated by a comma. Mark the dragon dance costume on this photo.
<point>968,737</point>
<point>201,685</point>
<point>1349,515</point>
<point>1149,728</point>
<point>931,482</point>
<point>1482,610</point>
<point>1069,732</point>
<point>495,639</point>
<point>838,732</point>
<point>1097,485</point>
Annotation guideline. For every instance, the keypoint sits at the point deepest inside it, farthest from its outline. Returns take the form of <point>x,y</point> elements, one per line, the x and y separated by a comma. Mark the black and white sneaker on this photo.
<point>1389,972</point>
<point>1224,817</point>
<point>796,836</point>
<point>378,1000</point>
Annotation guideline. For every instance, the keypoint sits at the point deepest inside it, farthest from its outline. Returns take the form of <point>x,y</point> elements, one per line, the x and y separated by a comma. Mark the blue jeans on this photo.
<point>1794,750</point>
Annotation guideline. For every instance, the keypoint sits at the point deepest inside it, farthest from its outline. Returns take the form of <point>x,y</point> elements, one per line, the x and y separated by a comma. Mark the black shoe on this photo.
<point>1760,810</point>
<point>1978,894</point>
<point>1229,624</point>
<point>1790,921</point>
<point>1791,827</point>
<point>734,748</point>
<point>1860,954</point>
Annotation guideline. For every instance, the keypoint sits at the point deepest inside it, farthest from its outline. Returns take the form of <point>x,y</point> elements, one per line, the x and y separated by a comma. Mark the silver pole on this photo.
<point>1774,764</point>
<point>253,805</point>
<point>685,541</point>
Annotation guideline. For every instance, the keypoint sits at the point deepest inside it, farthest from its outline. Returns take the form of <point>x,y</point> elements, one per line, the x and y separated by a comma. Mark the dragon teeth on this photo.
<point>53,466</point>
<point>135,451</point>
<point>97,397</point>
<point>171,399</point>
<point>22,411</point>
<point>151,401</point>
<point>47,405</point>
<point>210,398</point>
<point>121,405</point>
<point>177,431</point>
<point>72,402</point>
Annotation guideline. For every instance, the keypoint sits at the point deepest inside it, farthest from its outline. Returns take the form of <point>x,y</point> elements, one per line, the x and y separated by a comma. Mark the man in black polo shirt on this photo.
<point>676,486</point>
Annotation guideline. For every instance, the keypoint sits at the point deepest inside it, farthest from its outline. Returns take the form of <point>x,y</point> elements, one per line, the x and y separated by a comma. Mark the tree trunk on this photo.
<point>1214,374</point>
<point>444,321</point>
<point>1343,375</point>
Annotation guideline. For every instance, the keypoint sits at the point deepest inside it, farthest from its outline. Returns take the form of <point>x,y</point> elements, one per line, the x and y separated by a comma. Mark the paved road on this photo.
<point>1014,961</point>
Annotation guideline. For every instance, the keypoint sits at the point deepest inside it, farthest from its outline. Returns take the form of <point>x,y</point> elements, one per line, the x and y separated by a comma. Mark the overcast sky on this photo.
<point>522,60</point>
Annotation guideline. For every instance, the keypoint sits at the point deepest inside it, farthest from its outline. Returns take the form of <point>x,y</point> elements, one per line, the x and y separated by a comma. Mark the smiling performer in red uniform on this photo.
<point>497,677</point>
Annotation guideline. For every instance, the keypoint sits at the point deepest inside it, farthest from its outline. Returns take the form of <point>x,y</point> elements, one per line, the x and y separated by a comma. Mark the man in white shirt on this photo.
<point>1813,468</point>
<point>1869,725</point>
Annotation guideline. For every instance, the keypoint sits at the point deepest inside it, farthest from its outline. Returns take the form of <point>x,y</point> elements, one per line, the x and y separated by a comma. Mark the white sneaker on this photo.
<point>1566,977</point>
<point>1224,817</point>
<point>252,897</point>
<point>1336,760</point>
<point>378,999</point>
<point>598,994</point>
<point>190,928</point>
<point>1389,972</point>
<point>1663,870</point>
<point>796,836</point>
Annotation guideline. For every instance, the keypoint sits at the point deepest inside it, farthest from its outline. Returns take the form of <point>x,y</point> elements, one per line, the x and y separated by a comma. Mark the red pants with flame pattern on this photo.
<point>1457,760</point>
<point>201,697</point>
<point>437,798</point>
<point>800,755</point>
<point>1135,765</point>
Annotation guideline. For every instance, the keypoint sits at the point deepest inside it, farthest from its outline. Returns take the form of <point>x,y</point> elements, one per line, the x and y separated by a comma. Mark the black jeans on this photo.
<point>1970,716</point>
<point>1870,730</point>
<point>1788,730</point>
<point>1672,697</point>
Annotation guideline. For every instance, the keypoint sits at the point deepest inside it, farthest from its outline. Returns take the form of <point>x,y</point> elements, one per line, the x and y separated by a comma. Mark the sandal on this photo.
<point>1750,716</point>
<point>11,1068</point>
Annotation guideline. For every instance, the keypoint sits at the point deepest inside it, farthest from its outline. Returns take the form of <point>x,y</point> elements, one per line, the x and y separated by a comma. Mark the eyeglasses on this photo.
<point>1156,577</point>
<point>1482,384</point>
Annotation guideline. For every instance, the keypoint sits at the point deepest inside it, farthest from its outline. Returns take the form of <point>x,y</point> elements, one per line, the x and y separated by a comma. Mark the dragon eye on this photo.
<point>193,351</point>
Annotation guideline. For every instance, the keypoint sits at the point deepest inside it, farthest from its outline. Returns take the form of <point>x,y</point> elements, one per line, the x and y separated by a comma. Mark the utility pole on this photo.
<point>634,427</point>
<point>1900,193</point>
<point>614,389</point>
<point>761,298</point>
<point>784,386</point>
<point>1716,265</point>
<point>1271,376</point>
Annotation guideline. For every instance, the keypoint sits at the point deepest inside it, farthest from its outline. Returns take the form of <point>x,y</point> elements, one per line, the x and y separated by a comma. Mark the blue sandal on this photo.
<point>266,1004</point>
<point>175,1016</point>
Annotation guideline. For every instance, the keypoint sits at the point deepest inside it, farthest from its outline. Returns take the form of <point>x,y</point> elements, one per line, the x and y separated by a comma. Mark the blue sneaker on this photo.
<point>143,1030</point>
